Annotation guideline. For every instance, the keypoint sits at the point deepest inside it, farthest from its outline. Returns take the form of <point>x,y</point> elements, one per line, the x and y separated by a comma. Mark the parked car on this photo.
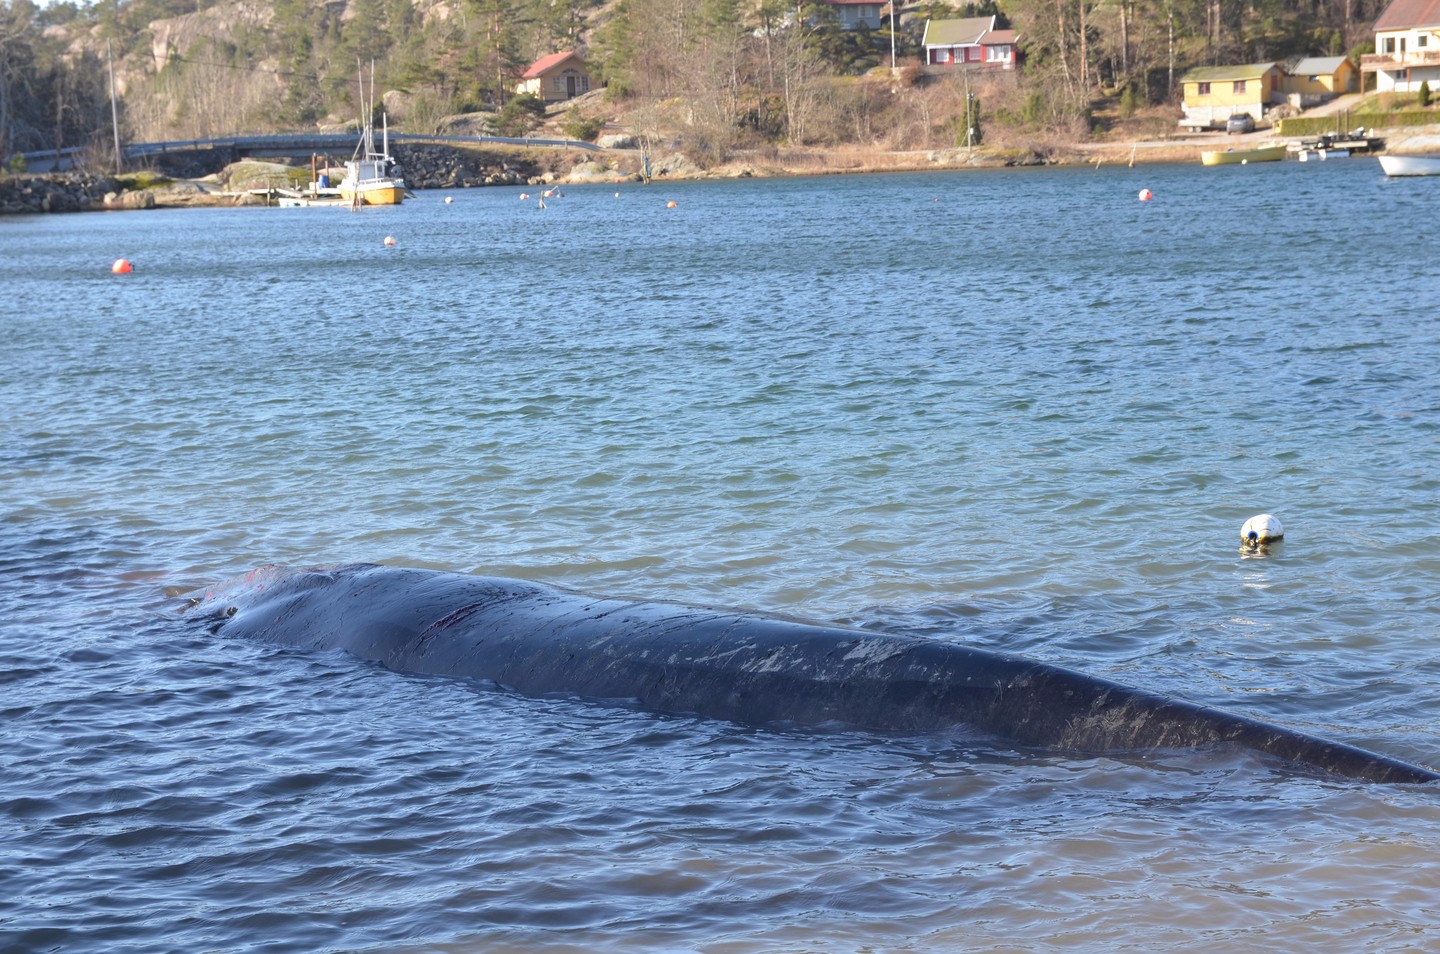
<point>1240,123</point>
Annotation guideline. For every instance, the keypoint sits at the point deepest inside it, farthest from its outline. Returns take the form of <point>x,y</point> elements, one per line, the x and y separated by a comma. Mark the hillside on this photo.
<point>717,78</point>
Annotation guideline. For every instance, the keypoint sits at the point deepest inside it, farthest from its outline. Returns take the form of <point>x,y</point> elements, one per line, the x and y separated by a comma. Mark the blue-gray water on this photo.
<point>1018,409</point>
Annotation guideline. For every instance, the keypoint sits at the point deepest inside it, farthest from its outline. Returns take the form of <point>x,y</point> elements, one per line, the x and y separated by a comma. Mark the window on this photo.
<point>1422,40</point>
<point>1239,86</point>
<point>1389,44</point>
<point>942,56</point>
<point>1203,89</point>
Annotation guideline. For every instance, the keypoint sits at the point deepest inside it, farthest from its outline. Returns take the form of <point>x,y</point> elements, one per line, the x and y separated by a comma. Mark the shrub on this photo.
<point>520,115</point>
<point>577,126</point>
<point>1425,94</point>
<point>1129,101</point>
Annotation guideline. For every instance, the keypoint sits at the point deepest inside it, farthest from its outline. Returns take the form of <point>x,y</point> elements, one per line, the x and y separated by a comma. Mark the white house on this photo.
<point>1407,47</point>
<point>854,14</point>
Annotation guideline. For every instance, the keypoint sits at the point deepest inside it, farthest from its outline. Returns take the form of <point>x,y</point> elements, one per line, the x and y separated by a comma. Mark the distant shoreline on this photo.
<point>81,191</point>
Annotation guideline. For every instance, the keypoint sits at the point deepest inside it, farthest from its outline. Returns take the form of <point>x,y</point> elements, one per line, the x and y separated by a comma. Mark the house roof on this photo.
<point>547,63</point>
<point>1408,14</point>
<point>1317,66</point>
<point>1221,74</point>
<point>958,32</point>
<point>996,37</point>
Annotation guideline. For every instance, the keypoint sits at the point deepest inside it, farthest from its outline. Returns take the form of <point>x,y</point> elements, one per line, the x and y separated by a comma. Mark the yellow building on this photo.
<point>1318,78</point>
<point>1215,93</point>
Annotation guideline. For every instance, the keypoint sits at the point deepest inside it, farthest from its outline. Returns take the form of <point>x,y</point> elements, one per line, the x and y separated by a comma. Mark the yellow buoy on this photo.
<point>671,205</point>
<point>121,267</point>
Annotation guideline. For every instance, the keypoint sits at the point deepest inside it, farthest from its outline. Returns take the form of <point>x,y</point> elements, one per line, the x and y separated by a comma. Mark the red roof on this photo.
<point>1406,14</point>
<point>997,37</point>
<point>547,63</point>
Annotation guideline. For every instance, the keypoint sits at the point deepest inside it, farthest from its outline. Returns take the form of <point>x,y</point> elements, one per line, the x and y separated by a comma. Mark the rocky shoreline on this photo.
<point>249,183</point>
<point>438,167</point>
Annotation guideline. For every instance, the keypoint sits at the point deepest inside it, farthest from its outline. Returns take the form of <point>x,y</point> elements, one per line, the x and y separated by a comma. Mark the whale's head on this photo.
<point>264,591</point>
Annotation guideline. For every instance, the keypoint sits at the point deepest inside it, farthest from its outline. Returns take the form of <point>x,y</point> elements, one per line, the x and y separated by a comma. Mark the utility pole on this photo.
<point>894,24</point>
<point>969,114</point>
<point>114,110</point>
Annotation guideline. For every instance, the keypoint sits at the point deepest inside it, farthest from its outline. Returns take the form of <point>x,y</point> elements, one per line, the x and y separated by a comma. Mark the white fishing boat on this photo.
<point>1411,165</point>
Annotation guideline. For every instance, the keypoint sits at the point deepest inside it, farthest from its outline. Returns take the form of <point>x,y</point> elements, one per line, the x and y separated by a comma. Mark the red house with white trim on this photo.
<point>971,42</point>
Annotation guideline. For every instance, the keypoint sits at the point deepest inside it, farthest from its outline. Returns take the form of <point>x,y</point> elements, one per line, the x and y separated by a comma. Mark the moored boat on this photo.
<point>1235,157</point>
<point>1411,165</point>
<point>371,176</point>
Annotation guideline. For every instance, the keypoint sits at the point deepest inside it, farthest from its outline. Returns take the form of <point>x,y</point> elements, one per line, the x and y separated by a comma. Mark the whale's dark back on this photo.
<point>745,667</point>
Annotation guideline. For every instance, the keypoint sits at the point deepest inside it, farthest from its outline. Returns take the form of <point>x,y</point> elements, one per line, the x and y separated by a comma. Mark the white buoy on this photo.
<point>448,200</point>
<point>1260,530</point>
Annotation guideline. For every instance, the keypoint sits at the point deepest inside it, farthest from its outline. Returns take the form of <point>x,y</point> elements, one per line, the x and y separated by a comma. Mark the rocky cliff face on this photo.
<point>176,35</point>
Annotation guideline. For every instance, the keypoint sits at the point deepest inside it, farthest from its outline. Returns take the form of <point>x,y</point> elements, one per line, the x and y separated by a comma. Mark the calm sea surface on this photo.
<point>1020,409</point>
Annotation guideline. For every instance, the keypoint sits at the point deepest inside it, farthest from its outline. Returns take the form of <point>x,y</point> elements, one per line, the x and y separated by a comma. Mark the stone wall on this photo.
<point>440,167</point>
<point>73,192</point>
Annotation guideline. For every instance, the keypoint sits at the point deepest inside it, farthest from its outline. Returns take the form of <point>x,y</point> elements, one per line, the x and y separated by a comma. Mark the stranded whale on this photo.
<point>745,667</point>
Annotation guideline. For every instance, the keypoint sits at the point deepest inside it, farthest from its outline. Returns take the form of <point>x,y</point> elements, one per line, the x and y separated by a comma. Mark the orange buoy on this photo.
<point>1146,195</point>
<point>671,205</point>
<point>389,240</point>
<point>121,266</point>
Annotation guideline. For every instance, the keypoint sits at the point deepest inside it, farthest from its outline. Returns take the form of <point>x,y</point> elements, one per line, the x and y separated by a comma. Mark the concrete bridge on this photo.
<point>289,145</point>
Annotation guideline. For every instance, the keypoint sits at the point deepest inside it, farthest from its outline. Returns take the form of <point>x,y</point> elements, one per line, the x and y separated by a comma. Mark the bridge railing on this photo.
<point>53,160</point>
<point>308,142</point>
